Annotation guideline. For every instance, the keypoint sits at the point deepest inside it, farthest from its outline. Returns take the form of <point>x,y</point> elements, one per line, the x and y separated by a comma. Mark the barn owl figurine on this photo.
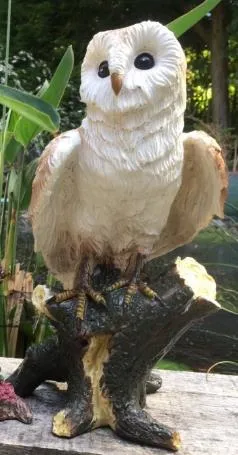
<point>128,185</point>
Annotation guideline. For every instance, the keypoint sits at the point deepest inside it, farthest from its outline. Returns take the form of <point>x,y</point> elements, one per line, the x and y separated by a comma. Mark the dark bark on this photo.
<point>219,55</point>
<point>106,358</point>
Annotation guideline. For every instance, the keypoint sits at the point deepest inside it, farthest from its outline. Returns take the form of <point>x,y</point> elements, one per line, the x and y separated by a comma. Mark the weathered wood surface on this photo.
<point>204,412</point>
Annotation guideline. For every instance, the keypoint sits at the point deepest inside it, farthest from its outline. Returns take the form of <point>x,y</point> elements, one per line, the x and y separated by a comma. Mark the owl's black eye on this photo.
<point>144,61</point>
<point>103,70</point>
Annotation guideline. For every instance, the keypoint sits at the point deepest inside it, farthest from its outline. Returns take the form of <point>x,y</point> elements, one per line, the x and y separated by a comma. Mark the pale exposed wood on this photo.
<point>204,412</point>
<point>21,282</point>
<point>18,288</point>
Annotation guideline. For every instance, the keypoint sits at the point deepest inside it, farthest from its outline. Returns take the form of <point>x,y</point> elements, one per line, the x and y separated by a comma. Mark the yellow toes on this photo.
<point>96,296</point>
<point>117,285</point>
<point>147,291</point>
<point>81,307</point>
<point>131,291</point>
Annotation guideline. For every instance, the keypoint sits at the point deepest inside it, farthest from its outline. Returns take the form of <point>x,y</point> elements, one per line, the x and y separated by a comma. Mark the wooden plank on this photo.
<point>204,412</point>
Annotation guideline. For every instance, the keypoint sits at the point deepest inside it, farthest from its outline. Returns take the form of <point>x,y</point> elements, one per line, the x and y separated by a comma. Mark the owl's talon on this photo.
<point>150,293</point>
<point>117,285</point>
<point>81,296</point>
<point>131,291</point>
<point>133,288</point>
<point>97,297</point>
<point>82,303</point>
<point>65,295</point>
<point>147,291</point>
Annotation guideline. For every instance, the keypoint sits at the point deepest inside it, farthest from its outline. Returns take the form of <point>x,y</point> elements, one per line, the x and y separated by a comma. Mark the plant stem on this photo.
<point>2,145</point>
<point>3,320</point>
<point>9,213</point>
<point>11,242</point>
<point>220,264</point>
<point>3,323</point>
<point>3,217</point>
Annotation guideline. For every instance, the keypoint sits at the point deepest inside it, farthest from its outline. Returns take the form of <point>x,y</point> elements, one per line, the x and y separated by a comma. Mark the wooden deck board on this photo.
<point>205,412</point>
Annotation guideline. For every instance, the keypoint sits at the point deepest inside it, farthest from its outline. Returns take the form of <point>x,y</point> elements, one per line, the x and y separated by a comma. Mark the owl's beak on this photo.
<point>116,81</point>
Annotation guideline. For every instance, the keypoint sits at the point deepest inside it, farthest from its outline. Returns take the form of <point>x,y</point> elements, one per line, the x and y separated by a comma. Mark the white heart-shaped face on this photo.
<point>149,60</point>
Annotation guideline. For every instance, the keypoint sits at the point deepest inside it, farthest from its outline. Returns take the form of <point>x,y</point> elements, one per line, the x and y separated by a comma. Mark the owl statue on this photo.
<point>127,185</point>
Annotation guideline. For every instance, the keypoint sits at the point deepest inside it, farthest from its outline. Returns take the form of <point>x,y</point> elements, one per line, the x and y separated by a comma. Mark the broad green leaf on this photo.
<point>10,145</point>
<point>31,107</point>
<point>20,184</point>
<point>27,179</point>
<point>51,92</point>
<point>43,89</point>
<point>60,79</point>
<point>22,127</point>
<point>5,137</point>
<point>188,20</point>
<point>12,149</point>
<point>14,117</point>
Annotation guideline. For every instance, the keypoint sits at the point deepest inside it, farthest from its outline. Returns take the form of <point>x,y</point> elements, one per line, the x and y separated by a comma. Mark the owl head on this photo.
<point>133,67</point>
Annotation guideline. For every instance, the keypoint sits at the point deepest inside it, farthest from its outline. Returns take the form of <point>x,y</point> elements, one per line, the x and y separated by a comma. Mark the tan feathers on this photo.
<point>202,193</point>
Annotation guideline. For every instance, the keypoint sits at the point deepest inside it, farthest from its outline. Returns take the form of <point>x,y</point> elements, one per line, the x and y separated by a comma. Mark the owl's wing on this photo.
<point>202,193</point>
<point>53,195</point>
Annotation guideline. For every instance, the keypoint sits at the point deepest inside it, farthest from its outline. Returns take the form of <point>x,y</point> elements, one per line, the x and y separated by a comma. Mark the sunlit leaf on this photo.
<point>31,107</point>
<point>13,119</point>
<point>51,92</point>
<point>60,79</point>
<point>188,20</point>
<point>43,89</point>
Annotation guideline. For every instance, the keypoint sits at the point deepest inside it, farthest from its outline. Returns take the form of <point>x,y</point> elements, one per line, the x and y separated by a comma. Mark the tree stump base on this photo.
<point>107,357</point>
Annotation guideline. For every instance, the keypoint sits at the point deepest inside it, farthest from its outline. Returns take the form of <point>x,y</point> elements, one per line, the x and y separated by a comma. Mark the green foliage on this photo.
<point>36,48</point>
<point>199,84</point>
<point>31,108</point>
<point>51,93</point>
<point>221,245</point>
<point>185,22</point>
<point>76,21</point>
<point>28,115</point>
<point>24,71</point>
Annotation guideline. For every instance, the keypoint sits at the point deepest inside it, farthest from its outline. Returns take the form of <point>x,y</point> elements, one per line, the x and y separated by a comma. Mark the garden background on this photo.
<point>40,34</point>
